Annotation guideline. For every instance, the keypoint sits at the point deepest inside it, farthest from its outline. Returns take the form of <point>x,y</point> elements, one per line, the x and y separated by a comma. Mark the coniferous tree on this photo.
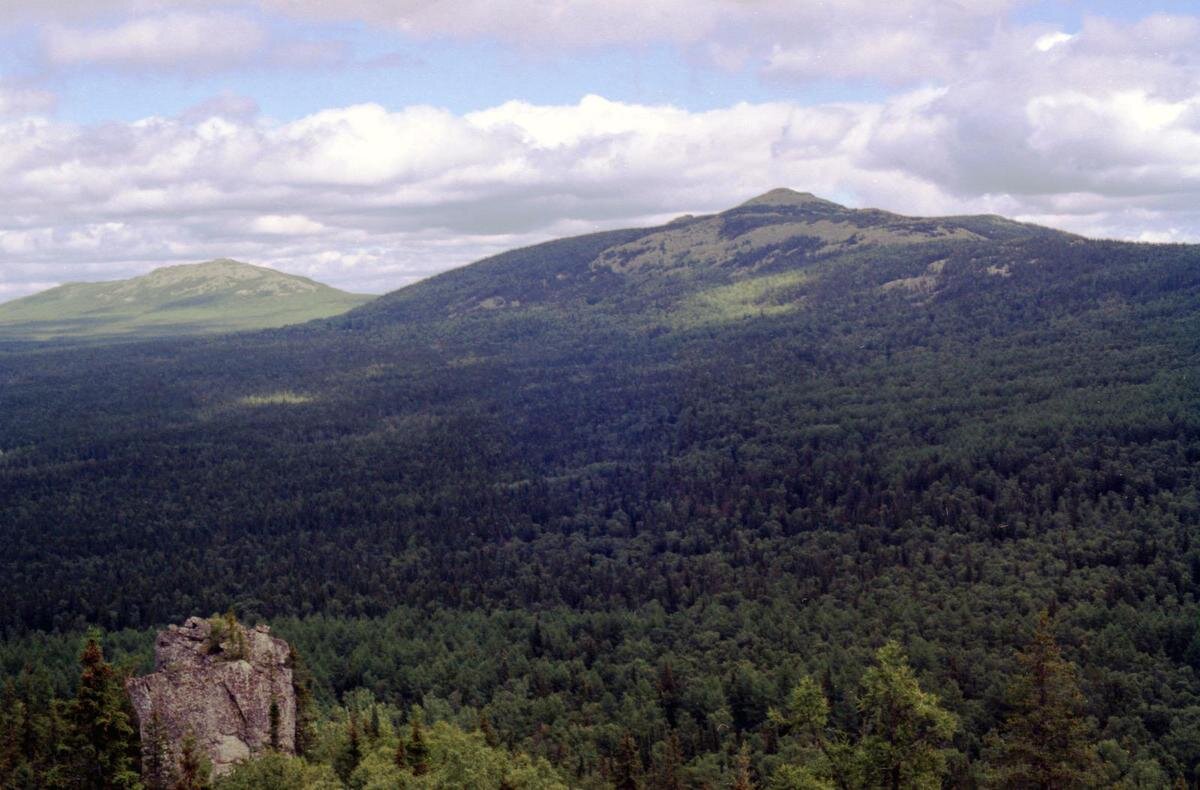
<point>373,725</point>
<point>1044,742</point>
<point>351,753</point>
<point>106,744</point>
<point>302,682</point>
<point>670,770</point>
<point>157,768</point>
<point>401,755</point>
<point>628,770</point>
<point>826,761</point>
<point>418,750</point>
<point>905,730</point>
<point>11,715</point>
<point>489,732</point>
<point>669,693</point>
<point>194,770</point>
<point>741,773</point>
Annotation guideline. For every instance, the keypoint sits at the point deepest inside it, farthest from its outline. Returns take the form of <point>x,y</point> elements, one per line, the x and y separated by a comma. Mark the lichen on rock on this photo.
<point>218,681</point>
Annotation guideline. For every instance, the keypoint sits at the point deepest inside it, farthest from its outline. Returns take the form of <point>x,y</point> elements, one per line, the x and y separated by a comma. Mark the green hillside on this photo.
<point>618,495</point>
<point>217,296</point>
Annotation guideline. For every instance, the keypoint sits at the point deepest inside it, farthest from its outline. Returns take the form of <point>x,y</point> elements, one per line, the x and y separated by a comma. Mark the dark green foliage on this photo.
<point>627,768</point>
<point>302,683</point>
<point>901,741</point>
<point>105,747</point>
<point>669,770</point>
<point>742,779</point>
<point>194,770</point>
<point>905,731</point>
<point>1045,743</point>
<point>350,754</point>
<point>417,749</point>
<point>740,473</point>
<point>158,763</point>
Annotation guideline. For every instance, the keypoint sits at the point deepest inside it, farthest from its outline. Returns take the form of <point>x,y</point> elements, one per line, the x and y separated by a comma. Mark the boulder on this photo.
<point>216,682</point>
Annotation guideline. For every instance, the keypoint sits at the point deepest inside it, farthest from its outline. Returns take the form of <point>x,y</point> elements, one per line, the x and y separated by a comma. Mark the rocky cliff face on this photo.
<point>216,681</point>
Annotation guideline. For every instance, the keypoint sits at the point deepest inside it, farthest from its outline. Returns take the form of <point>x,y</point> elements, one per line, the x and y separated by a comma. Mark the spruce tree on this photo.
<point>106,745</point>
<point>1044,741</point>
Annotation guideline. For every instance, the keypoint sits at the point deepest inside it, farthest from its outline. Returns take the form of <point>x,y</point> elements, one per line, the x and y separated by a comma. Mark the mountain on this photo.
<point>644,481</point>
<point>217,296</point>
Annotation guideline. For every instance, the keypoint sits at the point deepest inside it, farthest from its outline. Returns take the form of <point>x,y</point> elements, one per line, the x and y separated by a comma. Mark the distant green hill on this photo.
<point>217,296</point>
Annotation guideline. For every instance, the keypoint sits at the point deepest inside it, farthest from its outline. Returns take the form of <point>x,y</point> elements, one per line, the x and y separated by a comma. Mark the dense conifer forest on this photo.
<point>674,507</point>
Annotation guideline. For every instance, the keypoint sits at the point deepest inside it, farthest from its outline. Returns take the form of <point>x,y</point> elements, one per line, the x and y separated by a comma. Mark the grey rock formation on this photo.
<point>218,686</point>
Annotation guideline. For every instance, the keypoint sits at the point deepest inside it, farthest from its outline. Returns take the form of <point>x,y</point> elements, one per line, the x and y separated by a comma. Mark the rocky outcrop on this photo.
<point>216,680</point>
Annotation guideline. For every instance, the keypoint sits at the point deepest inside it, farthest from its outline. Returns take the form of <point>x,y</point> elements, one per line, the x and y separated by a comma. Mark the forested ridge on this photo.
<point>741,450</point>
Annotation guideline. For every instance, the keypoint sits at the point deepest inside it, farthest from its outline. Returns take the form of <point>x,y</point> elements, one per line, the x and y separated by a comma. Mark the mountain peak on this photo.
<point>787,197</point>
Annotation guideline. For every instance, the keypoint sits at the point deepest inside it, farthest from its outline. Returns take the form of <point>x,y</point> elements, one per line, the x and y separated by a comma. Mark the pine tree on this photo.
<point>670,770</point>
<point>373,725</point>
<point>351,754</point>
<point>905,729</point>
<point>1044,742</point>
<point>628,770</point>
<point>741,775</point>
<point>825,761</point>
<point>107,749</point>
<point>194,771</point>
<point>157,768</point>
<point>418,750</point>
<point>401,756</point>
<point>489,732</point>
<point>11,715</point>
<point>669,693</point>
<point>302,682</point>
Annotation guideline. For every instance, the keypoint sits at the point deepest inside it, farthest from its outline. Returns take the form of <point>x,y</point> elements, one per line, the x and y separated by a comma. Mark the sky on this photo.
<point>371,143</point>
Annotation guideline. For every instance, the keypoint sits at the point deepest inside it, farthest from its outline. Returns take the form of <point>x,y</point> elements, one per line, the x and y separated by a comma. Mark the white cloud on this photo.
<point>1051,40</point>
<point>285,225</point>
<point>19,100</point>
<point>174,40</point>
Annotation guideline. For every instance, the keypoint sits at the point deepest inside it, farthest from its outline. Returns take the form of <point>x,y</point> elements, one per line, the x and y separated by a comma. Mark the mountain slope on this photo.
<point>645,272</point>
<point>217,296</point>
<point>754,445</point>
